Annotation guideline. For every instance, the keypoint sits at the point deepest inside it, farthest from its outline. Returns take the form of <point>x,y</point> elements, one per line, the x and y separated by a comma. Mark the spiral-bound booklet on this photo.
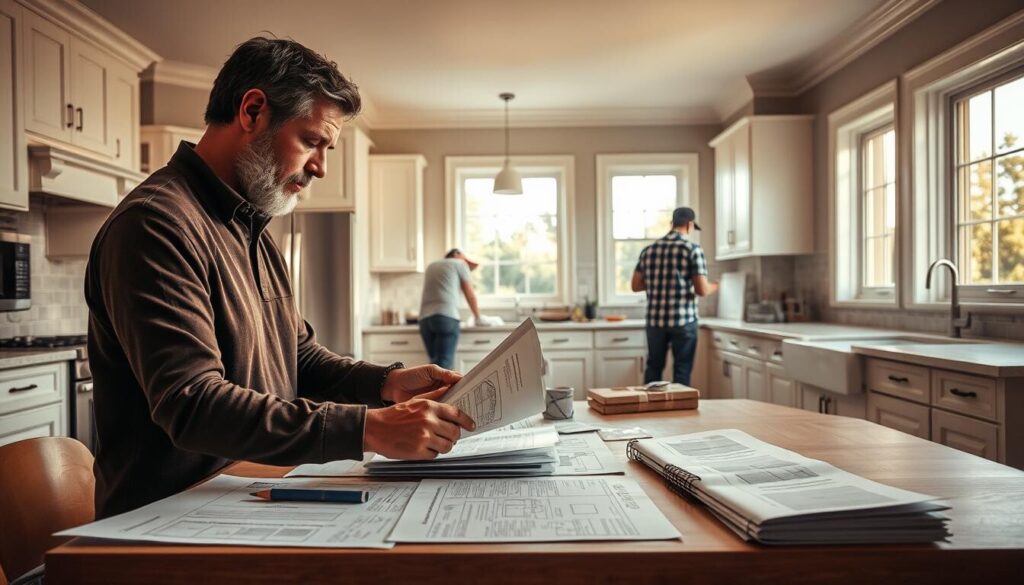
<point>775,496</point>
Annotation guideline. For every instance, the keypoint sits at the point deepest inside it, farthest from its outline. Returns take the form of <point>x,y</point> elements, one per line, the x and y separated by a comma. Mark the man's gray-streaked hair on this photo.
<point>291,75</point>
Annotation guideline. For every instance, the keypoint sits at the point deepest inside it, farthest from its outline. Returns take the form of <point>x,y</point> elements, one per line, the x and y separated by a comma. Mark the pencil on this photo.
<point>313,495</point>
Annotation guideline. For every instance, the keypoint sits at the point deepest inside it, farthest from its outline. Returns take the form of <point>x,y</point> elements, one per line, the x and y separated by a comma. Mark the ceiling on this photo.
<point>443,62</point>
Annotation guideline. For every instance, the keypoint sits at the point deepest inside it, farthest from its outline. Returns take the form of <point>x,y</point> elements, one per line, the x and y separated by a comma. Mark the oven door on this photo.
<point>84,414</point>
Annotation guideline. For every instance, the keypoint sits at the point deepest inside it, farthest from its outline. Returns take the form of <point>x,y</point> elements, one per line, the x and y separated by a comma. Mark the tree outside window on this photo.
<point>641,213</point>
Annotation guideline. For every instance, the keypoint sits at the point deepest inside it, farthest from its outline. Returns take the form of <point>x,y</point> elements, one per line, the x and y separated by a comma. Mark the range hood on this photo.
<point>60,172</point>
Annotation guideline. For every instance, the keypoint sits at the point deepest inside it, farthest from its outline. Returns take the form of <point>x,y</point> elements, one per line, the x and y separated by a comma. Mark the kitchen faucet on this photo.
<point>956,322</point>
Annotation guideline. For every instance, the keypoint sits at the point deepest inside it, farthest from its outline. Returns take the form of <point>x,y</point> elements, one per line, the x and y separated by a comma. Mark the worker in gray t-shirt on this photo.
<point>439,307</point>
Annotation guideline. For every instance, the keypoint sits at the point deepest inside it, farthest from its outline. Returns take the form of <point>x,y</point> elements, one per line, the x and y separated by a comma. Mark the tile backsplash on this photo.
<point>58,300</point>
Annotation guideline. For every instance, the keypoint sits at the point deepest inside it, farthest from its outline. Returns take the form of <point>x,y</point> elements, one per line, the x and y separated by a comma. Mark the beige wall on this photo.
<point>582,143</point>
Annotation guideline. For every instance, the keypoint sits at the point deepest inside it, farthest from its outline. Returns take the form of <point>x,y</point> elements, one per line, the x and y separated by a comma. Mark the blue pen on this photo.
<point>313,495</point>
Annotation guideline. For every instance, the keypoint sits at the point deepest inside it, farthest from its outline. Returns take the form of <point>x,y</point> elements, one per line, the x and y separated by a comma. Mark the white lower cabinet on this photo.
<point>467,360</point>
<point>572,368</point>
<point>781,390</point>
<point>618,367</point>
<point>43,421</point>
<point>822,401</point>
<point>902,415</point>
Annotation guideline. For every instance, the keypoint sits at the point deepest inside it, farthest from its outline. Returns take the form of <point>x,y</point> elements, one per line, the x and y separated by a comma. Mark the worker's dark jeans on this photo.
<point>682,340</point>
<point>440,335</point>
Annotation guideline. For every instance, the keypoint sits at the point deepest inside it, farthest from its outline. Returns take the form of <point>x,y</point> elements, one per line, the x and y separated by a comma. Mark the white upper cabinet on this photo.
<point>763,183</point>
<point>13,154</point>
<point>48,107</point>
<point>346,173</point>
<point>77,93</point>
<point>396,212</point>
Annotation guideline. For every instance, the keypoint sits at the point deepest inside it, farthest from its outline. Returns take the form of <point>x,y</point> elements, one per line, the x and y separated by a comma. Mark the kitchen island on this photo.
<point>987,545</point>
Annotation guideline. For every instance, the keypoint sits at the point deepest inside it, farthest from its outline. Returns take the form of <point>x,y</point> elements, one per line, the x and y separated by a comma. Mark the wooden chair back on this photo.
<point>46,485</point>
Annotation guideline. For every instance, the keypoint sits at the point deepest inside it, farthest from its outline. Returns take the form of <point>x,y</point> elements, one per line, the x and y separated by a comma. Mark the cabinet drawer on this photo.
<point>966,434</point>
<point>631,338</point>
<point>394,342</point>
<point>965,394</point>
<point>910,417</point>
<point>899,379</point>
<point>22,388</point>
<point>718,339</point>
<point>42,421</point>
<point>566,340</point>
<point>480,341</point>
<point>414,357</point>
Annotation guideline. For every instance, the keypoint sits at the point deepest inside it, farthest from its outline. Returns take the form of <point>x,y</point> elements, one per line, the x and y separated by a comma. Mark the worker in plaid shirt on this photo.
<point>674,273</point>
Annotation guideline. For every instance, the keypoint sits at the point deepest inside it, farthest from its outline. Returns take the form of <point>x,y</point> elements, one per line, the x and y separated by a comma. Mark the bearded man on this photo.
<point>199,355</point>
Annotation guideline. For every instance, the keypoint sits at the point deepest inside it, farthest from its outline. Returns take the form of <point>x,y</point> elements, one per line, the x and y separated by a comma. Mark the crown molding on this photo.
<point>181,74</point>
<point>869,31</point>
<point>553,118</point>
<point>80,19</point>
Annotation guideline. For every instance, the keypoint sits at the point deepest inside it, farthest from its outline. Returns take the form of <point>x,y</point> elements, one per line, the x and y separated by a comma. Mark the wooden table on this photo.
<point>987,524</point>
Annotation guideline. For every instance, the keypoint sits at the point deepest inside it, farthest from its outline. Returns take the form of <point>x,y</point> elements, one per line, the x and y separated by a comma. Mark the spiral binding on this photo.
<point>678,479</point>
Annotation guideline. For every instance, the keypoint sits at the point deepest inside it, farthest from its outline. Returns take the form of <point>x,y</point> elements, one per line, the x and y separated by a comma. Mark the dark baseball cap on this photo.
<point>684,215</point>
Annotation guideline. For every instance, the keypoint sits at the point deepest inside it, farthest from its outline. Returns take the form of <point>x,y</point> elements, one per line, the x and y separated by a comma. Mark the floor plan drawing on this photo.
<point>483,401</point>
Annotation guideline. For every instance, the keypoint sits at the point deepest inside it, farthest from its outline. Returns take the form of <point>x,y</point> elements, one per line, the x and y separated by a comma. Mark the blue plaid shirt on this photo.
<point>669,266</point>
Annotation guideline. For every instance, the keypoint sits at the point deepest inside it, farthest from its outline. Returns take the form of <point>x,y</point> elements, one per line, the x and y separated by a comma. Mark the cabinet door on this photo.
<point>467,360</point>
<point>13,154</point>
<point>755,383</point>
<point>741,191</point>
<point>44,421</point>
<point>736,383</point>
<point>90,72</point>
<point>123,92</point>
<point>570,368</point>
<point>618,367</point>
<point>717,382</point>
<point>724,214</point>
<point>781,390</point>
<point>396,213</point>
<point>902,415</point>
<point>966,434</point>
<point>48,109</point>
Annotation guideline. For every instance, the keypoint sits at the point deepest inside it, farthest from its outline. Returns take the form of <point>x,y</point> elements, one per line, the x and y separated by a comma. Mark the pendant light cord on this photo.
<point>506,129</point>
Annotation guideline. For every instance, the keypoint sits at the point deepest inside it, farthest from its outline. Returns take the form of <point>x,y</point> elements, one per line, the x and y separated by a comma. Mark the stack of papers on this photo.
<point>502,452</point>
<point>775,496</point>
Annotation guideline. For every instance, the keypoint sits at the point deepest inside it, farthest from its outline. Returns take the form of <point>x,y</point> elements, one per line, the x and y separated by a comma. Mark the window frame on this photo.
<point>927,122</point>
<point>848,128</point>
<point>562,167</point>
<point>686,167</point>
<point>969,292</point>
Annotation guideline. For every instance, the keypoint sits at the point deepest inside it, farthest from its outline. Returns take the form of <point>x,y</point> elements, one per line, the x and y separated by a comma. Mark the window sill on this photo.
<point>883,304</point>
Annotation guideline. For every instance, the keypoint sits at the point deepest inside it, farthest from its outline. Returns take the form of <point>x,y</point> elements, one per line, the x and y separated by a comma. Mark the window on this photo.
<point>878,208</point>
<point>964,198</point>
<point>636,196</point>
<point>989,183</point>
<point>520,241</point>
<point>863,211</point>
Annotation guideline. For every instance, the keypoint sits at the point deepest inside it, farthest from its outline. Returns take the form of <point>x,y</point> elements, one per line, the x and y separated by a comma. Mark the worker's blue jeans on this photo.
<point>440,335</point>
<point>682,340</point>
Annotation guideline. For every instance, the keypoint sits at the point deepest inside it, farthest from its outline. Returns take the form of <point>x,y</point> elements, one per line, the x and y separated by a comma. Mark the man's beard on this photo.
<point>257,171</point>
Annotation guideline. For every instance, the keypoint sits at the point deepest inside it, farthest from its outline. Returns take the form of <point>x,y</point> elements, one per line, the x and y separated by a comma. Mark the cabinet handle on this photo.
<point>1001,291</point>
<point>734,343</point>
<point>616,339</point>
<point>731,237</point>
<point>399,343</point>
<point>117,141</point>
<point>755,348</point>
<point>560,340</point>
<point>412,252</point>
<point>481,341</point>
<point>81,119</point>
<point>777,353</point>
<point>899,379</point>
<point>70,115</point>
<point>725,369</point>
<point>963,393</point>
<point>23,388</point>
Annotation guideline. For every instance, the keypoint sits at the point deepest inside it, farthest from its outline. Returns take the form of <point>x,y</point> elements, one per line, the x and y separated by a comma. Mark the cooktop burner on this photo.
<point>29,341</point>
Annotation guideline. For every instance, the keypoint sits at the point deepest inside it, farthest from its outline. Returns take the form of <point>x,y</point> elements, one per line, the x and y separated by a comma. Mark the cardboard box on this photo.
<point>624,399</point>
<point>642,406</point>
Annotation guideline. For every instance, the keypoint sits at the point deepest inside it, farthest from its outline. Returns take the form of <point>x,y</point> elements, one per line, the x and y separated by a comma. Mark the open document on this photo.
<point>531,510</point>
<point>506,386</point>
<point>776,496</point>
<point>222,511</point>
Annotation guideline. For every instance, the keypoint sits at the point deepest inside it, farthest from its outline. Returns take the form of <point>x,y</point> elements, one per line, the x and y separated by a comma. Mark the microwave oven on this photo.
<point>15,275</point>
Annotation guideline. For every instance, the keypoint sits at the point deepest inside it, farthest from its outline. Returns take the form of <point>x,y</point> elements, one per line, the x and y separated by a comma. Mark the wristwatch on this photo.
<point>384,379</point>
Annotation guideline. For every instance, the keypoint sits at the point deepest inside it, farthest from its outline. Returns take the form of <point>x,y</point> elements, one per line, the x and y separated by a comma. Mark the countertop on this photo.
<point>597,324</point>
<point>16,358</point>
<point>986,358</point>
<point>809,330</point>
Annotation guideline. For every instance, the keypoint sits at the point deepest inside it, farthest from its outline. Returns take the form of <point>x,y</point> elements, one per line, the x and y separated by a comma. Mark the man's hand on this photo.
<point>406,383</point>
<point>418,428</point>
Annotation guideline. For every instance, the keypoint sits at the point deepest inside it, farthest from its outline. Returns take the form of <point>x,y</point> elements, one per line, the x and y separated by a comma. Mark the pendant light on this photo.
<point>508,181</point>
